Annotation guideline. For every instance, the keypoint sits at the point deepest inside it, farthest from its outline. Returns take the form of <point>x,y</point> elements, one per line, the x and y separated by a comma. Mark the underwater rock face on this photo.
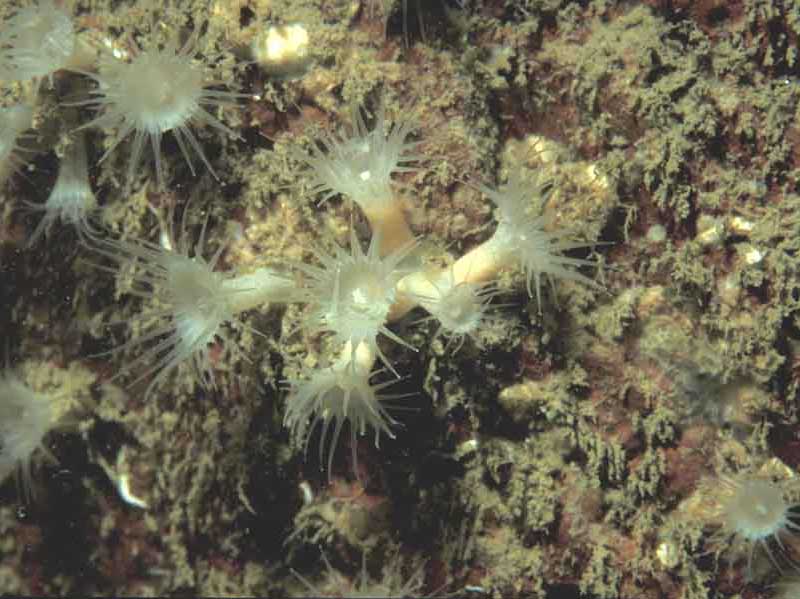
<point>602,404</point>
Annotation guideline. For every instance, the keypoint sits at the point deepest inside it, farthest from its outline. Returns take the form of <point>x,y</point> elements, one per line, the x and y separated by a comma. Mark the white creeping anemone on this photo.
<point>36,42</point>
<point>529,238</point>
<point>25,419</point>
<point>158,91</point>
<point>193,301</point>
<point>351,293</point>
<point>756,512</point>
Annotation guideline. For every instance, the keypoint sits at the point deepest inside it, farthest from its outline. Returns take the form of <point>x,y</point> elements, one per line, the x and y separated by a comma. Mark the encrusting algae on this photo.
<point>467,297</point>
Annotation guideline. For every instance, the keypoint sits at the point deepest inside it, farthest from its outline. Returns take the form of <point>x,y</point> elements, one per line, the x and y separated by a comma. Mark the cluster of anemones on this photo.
<point>352,294</point>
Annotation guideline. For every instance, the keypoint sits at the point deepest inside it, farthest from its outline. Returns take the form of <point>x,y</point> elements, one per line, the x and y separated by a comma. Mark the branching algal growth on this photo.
<point>158,91</point>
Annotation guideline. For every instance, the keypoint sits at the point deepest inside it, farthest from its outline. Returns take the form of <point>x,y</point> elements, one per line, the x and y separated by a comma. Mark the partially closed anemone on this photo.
<point>334,397</point>
<point>71,200</point>
<point>461,308</point>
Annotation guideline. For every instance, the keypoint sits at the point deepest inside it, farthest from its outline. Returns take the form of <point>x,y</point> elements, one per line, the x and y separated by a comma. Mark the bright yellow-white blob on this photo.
<point>282,50</point>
